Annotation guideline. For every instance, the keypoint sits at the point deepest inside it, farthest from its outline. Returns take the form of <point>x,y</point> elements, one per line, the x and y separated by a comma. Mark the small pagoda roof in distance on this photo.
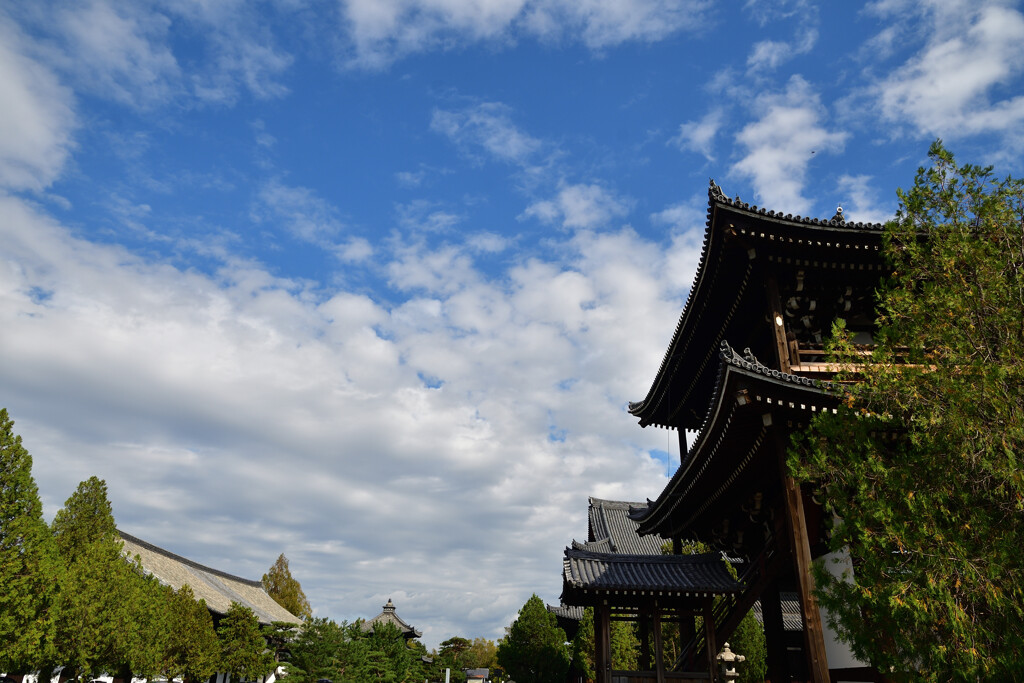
<point>219,589</point>
<point>587,576</point>
<point>388,616</point>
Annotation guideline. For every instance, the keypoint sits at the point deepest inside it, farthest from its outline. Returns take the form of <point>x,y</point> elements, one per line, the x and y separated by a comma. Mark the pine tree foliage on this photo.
<point>244,652</point>
<point>28,560</point>
<point>286,591</point>
<point>922,467</point>
<point>535,650</point>
<point>193,651</point>
<point>99,589</point>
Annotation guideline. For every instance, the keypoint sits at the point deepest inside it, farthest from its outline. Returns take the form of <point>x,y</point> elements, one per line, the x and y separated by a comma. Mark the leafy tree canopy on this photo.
<point>535,650</point>
<point>286,590</point>
<point>921,468</point>
<point>28,560</point>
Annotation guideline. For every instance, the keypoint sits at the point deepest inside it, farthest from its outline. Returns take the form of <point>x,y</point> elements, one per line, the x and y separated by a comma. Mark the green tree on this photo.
<point>318,651</point>
<point>922,465</point>
<point>29,566</point>
<point>582,651</point>
<point>243,651</point>
<point>534,651</point>
<point>451,654</point>
<point>286,590</point>
<point>193,651</point>
<point>96,618</point>
<point>482,654</point>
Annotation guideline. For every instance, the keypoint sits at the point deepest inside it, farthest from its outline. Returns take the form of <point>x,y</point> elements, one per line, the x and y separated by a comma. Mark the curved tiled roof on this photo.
<point>388,616</point>
<point>613,531</point>
<point>219,589</point>
<point>853,241</point>
<point>683,575</point>
<point>715,194</point>
<point>765,384</point>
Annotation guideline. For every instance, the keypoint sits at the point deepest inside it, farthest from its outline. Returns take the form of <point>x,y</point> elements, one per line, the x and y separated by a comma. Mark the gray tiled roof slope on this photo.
<point>665,573</point>
<point>612,531</point>
<point>219,589</point>
<point>573,612</point>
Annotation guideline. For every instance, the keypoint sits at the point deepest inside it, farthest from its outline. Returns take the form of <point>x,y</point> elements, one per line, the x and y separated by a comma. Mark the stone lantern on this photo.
<point>729,660</point>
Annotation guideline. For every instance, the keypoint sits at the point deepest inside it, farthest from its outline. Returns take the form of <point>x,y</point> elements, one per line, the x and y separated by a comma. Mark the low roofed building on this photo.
<point>218,589</point>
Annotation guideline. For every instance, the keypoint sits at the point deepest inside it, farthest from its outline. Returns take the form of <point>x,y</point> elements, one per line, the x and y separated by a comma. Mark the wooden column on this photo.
<point>778,324</point>
<point>814,636</point>
<point>644,616</point>
<point>774,633</point>
<point>659,646</point>
<point>602,644</point>
<point>687,631</point>
<point>711,645</point>
<point>800,547</point>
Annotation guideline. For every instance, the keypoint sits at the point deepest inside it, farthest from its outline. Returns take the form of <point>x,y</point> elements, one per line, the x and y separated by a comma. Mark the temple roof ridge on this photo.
<point>716,195</point>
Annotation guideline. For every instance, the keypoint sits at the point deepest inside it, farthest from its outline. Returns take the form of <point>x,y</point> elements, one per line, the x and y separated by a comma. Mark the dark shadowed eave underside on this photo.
<point>733,432</point>
<point>587,576</point>
<point>735,233</point>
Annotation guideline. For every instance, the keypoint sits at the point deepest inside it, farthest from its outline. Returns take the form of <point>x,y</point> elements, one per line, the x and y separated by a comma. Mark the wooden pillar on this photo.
<point>711,645</point>
<point>774,633</point>
<point>659,646</point>
<point>602,644</point>
<point>814,636</point>
<point>644,622</point>
<point>687,631</point>
<point>800,547</point>
<point>778,324</point>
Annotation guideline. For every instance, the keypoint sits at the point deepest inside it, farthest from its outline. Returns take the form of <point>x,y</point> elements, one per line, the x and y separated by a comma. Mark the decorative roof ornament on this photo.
<point>838,218</point>
<point>715,192</point>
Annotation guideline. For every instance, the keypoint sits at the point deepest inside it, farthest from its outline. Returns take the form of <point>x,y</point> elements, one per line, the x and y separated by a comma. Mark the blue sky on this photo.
<point>370,282</point>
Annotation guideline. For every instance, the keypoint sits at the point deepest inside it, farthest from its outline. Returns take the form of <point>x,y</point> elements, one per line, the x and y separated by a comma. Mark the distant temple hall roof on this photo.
<point>219,589</point>
<point>388,616</point>
<point>612,531</point>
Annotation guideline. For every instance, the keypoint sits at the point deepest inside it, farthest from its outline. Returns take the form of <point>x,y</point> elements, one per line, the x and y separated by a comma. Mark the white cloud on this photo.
<point>119,51</point>
<point>767,55</point>
<point>860,200</point>
<point>579,206</point>
<point>699,136</point>
<point>782,143</point>
<point>305,215</point>
<point>36,118</point>
<point>236,416</point>
<point>947,88</point>
<point>487,125</point>
<point>382,31</point>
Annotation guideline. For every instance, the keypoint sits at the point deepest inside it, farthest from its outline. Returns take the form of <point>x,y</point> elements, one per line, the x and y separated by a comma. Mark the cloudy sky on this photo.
<point>370,282</point>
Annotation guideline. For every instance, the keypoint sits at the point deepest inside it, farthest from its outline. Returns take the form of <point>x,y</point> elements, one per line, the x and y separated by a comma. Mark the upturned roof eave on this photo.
<point>651,410</point>
<point>733,370</point>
